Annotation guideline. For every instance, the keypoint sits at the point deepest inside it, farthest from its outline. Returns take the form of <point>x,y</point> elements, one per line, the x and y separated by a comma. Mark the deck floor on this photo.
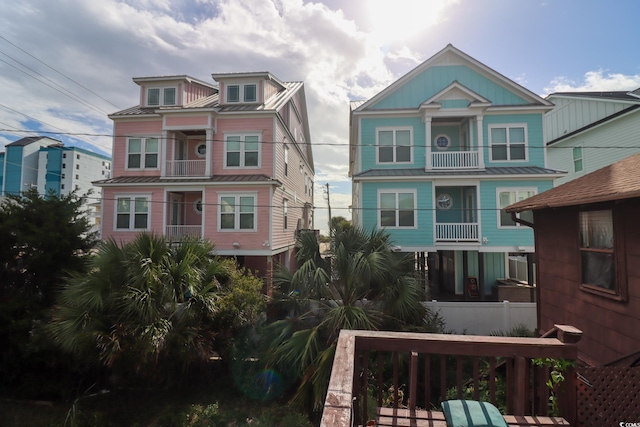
<point>389,417</point>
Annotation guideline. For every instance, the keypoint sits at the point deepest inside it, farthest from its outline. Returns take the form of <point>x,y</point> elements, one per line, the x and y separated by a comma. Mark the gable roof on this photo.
<point>448,55</point>
<point>617,181</point>
<point>618,95</point>
<point>180,77</point>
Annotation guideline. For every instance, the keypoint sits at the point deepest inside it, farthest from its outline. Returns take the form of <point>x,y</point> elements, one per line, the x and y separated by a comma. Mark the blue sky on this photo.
<point>66,64</point>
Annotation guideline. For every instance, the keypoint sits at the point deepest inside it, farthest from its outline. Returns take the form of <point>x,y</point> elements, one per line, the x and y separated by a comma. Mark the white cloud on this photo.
<point>595,81</point>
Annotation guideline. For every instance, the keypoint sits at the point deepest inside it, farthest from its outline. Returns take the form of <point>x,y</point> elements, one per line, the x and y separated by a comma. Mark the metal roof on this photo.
<point>489,171</point>
<point>617,181</point>
<point>29,140</point>
<point>257,178</point>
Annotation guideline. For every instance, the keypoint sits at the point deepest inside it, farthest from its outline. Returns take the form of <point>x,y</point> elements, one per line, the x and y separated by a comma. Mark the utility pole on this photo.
<point>328,204</point>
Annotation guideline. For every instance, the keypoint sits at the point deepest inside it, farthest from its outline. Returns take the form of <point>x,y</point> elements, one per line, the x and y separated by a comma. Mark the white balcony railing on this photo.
<point>175,233</point>
<point>186,167</point>
<point>454,160</point>
<point>457,232</point>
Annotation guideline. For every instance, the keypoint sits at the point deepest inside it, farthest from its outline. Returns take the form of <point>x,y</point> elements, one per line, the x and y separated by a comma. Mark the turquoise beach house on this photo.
<point>434,159</point>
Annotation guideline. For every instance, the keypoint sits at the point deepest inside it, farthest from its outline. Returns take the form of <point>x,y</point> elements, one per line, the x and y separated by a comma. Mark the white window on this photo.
<point>306,184</point>
<point>508,142</point>
<point>285,212</point>
<point>142,153</point>
<point>250,93</point>
<point>132,213</point>
<point>201,150</point>
<point>508,197</point>
<point>394,145</point>
<point>242,151</point>
<point>397,209</point>
<point>237,212</point>
<point>242,93</point>
<point>577,159</point>
<point>286,160</point>
<point>161,96</point>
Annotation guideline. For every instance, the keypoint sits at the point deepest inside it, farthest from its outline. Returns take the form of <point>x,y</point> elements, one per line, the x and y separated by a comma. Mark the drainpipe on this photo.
<point>520,221</point>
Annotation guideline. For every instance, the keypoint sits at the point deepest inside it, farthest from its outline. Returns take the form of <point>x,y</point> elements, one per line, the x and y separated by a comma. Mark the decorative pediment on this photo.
<point>455,96</point>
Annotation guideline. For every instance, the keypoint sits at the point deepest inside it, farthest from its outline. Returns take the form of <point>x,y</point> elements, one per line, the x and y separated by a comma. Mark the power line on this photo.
<point>313,144</point>
<point>60,73</point>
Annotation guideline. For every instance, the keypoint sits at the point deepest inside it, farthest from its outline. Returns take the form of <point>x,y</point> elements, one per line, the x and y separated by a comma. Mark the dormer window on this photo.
<point>161,96</point>
<point>242,93</point>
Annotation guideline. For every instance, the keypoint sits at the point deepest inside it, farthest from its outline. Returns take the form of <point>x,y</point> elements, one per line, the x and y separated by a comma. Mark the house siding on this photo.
<point>610,328</point>
<point>434,79</point>
<point>535,138</point>
<point>368,146</point>
<point>601,146</point>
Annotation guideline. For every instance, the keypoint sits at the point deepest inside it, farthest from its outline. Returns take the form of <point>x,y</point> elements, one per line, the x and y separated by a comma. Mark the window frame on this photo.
<point>285,214</point>
<point>237,213</point>
<point>162,96</point>
<point>242,93</point>
<point>500,208</point>
<point>619,292</point>
<point>508,143</point>
<point>396,193</point>
<point>286,160</point>
<point>579,159</point>
<point>143,153</point>
<point>132,212</point>
<point>242,150</point>
<point>395,130</point>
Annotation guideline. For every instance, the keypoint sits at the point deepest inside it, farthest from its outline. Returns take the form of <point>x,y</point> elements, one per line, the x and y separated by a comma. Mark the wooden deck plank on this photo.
<point>389,417</point>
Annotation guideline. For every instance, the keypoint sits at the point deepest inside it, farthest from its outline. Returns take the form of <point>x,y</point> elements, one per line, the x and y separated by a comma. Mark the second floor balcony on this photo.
<point>185,168</point>
<point>457,232</point>
<point>455,160</point>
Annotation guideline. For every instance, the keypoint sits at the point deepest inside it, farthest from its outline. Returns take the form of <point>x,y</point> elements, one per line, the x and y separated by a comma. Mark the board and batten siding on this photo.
<point>368,140</point>
<point>601,146</point>
<point>419,237</point>
<point>571,114</point>
<point>490,208</point>
<point>432,80</point>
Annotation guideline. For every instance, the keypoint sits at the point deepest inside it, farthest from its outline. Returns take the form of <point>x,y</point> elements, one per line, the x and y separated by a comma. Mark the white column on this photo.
<point>164,144</point>
<point>480,136</point>
<point>209,142</point>
<point>427,141</point>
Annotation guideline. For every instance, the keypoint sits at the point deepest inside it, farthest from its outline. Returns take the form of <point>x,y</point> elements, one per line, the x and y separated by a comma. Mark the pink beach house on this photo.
<point>229,162</point>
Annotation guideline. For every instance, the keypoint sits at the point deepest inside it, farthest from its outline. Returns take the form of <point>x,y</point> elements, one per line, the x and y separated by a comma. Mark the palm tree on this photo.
<point>145,307</point>
<point>362,284</point>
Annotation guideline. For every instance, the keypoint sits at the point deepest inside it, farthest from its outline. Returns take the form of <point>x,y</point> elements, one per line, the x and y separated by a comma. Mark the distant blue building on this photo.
<point>437,156</point>
<point>47,165</point>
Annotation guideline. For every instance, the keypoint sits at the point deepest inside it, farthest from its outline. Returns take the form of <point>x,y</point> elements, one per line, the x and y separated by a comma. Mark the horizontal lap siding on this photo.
<point>249,240</point>
<point>490,208</point>
<point>263,126</point>
<point>535,138</point>
<point>414,237</point>
<point>134,128</point>
<point>156,211</point>
<point>368,141</point>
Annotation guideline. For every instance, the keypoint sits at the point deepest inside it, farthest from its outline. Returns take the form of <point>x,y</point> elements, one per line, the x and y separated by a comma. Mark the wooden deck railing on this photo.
<point>413,370</point>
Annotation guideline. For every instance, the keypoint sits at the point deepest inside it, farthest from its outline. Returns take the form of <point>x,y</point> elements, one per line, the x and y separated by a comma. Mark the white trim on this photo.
<point>198,154</point>
<point>397,209</point>
<point>131,197</point>
<point>445,136</point>
<point>516,190</point>
<point>143,147</point>
<point>507,144</point>
<point>242,152</point>
<point>394,129</point>
<point>161,96</point>
<point>236,212</point>
<point>242,87</point>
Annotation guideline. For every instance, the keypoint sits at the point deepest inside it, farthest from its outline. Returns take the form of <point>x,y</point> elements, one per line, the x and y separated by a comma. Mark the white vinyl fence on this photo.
<point>483,318</point>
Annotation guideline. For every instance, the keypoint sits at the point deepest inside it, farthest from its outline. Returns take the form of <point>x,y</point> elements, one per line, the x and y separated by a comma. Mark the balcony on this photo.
<point>404,372</point>
<point>457,232</point>
<point>175,233</point>
<point>185,168</point>
<point>455,160</point>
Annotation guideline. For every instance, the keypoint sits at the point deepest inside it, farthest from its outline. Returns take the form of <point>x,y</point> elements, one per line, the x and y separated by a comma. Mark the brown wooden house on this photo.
<point>587,243</point>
